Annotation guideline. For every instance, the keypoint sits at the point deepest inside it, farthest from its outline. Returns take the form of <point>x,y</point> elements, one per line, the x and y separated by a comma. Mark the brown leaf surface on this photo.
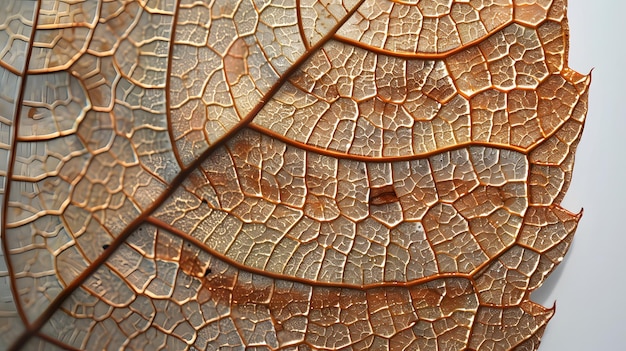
<point>283,174</point>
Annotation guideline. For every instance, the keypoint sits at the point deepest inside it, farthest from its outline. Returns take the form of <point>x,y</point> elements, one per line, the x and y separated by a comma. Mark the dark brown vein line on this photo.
<point>168,76</point>
<point>305,42</point>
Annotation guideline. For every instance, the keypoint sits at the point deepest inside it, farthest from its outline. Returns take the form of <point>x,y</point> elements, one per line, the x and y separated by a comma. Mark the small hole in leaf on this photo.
<point>207,272</point>
<point>105,246</point>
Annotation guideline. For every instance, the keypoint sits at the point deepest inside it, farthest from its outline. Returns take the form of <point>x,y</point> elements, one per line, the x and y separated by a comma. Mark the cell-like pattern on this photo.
<point>283,174</point>
<point>64,30</point>
<point>91,153</point>
<point>425,27</point>
<point>499,92</point>
<point>167,291</point>
<point>16,30</point>
<point>344,219</point>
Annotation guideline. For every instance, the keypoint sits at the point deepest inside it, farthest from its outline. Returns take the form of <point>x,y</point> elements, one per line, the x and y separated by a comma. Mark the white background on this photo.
<point>589,287</point>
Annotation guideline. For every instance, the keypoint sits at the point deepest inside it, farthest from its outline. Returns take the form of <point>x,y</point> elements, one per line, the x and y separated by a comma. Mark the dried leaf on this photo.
<point>283,174</point>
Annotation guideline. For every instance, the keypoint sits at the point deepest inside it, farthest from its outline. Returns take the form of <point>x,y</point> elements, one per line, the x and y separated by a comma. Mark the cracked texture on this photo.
<point>283,174</point>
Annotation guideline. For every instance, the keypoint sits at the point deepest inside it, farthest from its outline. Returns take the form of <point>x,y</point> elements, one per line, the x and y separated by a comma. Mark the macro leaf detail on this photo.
<point>283,174</point>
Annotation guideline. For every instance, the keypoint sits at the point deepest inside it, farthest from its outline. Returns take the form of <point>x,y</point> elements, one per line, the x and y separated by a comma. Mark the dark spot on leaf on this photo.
<point>383,195</point>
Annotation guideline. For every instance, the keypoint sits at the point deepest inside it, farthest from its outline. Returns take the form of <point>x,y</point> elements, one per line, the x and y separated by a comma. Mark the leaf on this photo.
<point>285,175</point>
